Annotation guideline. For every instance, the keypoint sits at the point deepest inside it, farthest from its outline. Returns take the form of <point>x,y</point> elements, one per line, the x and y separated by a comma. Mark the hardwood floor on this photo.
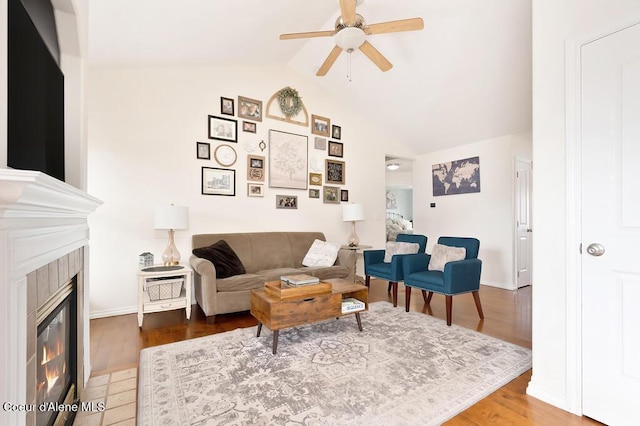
<point>116,343</point>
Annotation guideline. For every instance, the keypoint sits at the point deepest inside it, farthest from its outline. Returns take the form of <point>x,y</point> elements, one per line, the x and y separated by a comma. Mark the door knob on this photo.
<point>595,249</point>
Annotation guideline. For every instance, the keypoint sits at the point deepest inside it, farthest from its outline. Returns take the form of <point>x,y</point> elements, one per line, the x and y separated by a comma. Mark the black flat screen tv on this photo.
<point>35,107</point>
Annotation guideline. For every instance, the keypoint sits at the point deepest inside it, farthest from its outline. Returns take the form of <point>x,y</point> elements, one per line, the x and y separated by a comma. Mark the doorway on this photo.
<point>523,231</point>
<point>398,197</point>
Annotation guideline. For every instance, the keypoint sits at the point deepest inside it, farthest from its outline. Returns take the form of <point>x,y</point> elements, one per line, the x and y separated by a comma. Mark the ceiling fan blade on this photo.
<point>375,56</point>
<point>412,24</point>
<point>328,63</point>
<point>311,34</point>
<point>348,11</point>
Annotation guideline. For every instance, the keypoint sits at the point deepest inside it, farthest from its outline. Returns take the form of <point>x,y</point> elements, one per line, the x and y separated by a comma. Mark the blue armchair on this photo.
<point>374,265</point>
<point>460,276</point>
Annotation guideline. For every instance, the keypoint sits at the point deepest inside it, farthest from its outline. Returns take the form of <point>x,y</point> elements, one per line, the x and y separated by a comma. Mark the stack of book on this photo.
<point>298,280</point>
<point>350,304</point>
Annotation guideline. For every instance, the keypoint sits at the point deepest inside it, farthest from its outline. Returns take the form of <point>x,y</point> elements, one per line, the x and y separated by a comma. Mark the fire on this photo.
<point>48,355</point>
<point>52,370</point>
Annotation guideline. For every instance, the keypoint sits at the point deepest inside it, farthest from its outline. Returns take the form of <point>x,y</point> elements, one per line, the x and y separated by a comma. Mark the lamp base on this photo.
<point>171,255</point>
<point>354,240</point>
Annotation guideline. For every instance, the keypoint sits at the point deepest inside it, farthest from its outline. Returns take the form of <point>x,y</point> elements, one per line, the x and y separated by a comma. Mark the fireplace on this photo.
<point>44,237</point>
<point>56,349</point>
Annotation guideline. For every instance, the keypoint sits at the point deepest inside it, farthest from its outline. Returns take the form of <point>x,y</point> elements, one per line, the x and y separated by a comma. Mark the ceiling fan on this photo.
<point>351,32</point>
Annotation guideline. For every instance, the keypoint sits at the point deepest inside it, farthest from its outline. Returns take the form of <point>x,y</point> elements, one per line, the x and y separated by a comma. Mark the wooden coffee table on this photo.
<point>279,308</point>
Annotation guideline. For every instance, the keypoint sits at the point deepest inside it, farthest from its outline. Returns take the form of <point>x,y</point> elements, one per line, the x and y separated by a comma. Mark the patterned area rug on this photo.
<point>405,368</point>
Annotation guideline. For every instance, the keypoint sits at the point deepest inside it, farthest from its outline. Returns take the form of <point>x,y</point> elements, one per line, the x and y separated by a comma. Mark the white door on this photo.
<point>523,222</point>
<point>610,132</point>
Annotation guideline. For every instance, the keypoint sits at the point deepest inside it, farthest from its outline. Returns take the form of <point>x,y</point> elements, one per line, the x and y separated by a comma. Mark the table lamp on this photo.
<point>171,217</point>
<point>353,213</point>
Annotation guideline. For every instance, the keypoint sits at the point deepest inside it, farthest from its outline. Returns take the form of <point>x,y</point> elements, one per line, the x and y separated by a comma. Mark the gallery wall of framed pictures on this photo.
<point>276,160</point>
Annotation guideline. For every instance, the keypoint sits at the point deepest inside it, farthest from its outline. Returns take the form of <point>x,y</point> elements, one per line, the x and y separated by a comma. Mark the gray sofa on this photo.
<point>266,256</point>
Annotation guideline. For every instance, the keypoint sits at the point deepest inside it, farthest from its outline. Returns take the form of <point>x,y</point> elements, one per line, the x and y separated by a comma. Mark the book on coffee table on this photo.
<point>351,304</point>
<point>299,279</point>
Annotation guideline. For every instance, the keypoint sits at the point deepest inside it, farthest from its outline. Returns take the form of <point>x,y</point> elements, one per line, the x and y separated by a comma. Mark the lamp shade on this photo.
<point>171,217</point>
<point>352,212</point>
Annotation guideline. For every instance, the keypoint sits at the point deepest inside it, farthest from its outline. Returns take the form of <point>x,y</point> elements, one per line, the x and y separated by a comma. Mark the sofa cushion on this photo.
<point>392,248</point>
<point>223,258</point>
<point>276,273</point>
<point>326,272</point>
<point>441,255</point>
<point>321,253</point>
<point>240,283</point>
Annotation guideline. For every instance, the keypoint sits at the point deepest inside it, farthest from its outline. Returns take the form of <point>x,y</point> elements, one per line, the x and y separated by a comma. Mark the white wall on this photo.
<point>486,215</point>
<point>554,23</point>
<point>143,128</point>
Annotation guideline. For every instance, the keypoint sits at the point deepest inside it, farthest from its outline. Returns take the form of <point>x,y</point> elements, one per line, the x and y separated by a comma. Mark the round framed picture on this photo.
<point>225,155</point>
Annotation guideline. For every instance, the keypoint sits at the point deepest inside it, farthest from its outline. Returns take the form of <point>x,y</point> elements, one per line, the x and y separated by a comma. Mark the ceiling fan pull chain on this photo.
<point>349,70</point>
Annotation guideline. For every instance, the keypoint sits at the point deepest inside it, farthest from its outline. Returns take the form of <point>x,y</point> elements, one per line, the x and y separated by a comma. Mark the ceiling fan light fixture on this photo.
<point>393,166</point>
<point>350,38</point>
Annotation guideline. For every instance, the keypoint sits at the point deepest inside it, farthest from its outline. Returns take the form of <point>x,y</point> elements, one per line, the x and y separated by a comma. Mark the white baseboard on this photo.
<point>113,312</point>
<point>504,286</point>
<point>536,392</point>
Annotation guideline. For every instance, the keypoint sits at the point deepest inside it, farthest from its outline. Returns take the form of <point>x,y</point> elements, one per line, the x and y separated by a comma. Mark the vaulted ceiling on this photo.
<point>466,77</point>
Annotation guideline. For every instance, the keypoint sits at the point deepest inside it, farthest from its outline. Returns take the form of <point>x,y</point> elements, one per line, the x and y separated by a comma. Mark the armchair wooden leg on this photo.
<point>428,300</point>
<point>367,280</point>
<point>424,296</point>
<point>390,286</point>
<point>449,300</point>
<point>407,297</point>
<point>395,294</point>
<point>476,298</point>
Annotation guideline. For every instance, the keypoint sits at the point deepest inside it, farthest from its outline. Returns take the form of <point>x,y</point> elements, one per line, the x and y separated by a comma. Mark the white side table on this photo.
<point>146,305</point>
<point>357,249</point>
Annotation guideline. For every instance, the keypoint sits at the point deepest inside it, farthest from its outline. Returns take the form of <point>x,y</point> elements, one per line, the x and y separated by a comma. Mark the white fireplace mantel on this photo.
<point>29,194</point>
<point>41,220</point>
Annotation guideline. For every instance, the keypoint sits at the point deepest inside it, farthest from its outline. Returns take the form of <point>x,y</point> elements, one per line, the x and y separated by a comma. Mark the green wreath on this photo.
<point>294,107</point>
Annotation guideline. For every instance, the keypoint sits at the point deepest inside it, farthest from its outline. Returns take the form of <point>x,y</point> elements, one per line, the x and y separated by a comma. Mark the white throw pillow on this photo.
<point>321,253</point>
<point>442,255</point>
<point>392,248</point>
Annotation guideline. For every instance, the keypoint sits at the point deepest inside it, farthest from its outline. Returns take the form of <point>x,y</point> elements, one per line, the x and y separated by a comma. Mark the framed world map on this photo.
<point>456,177</point>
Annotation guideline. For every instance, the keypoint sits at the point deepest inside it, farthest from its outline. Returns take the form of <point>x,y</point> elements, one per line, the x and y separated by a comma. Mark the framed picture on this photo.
<point>248,126</point>
<point>218,181</point>
<point>320,125</point>
<point>456,177</point>
<point>255,190</point>
<point>320,143</point>
<point>226,106</point>
<point>251,109</point>
<point>223,129</point>
<point>331,194</point>
<point>286,201</point>
<point>336,132</point>
<point>314,193</point>
<point>344,195</point>
<point>225,155</point>
<point>203,150</point>
<point>335,171</point>
<point>255,168</point>
<point>287,160</point>
<point>335,149</point>
<point>315,179</point>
